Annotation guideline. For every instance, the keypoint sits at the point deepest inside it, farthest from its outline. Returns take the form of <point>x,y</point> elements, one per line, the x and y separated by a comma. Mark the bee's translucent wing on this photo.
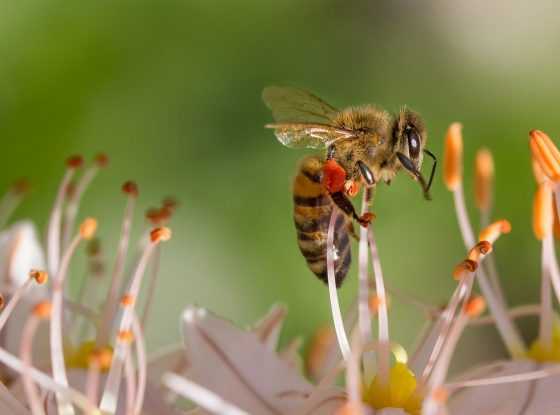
<point>308,135</point>
<point>293,105</point>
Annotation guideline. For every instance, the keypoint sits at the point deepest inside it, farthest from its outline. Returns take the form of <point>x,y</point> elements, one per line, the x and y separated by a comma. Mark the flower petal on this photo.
<point>20,251</point>
<point>528,397</point>
<point>238,367</point>
<point>269,327</point>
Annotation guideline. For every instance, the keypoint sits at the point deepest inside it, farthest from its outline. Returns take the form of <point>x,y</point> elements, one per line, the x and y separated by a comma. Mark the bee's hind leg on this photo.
<point>340,199</point>
<point>352,231</point>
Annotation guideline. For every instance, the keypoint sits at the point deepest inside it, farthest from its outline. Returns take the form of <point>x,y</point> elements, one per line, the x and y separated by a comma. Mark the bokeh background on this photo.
<point>170,90</point>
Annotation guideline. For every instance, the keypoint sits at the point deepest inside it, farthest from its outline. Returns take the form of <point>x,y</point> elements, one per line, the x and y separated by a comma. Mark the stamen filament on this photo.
<point>383,356</point>
<point>53,232</point>
<point>11,305</point>
<point>111,391</point>
<point>26,353</point>
<point>333,295</point>
<point>49,384</point>
<point>110,308</point>
<point>151,287</point>
<point>200,395</point>
<point>142,365</point>
<point>364,320</point>
<point>130,380</point>
<point>57,352</point>
<point>74,200</point>
<point>11,200</point>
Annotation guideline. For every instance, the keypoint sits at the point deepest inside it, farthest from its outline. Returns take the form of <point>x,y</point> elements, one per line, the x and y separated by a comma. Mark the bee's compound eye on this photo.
<point>413,143</point>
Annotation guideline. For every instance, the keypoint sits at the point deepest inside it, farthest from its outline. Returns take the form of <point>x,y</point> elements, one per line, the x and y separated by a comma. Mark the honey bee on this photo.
<point>363,144</point>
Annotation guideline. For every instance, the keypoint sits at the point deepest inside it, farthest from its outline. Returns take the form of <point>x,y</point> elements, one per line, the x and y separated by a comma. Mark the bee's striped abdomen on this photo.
<point>312,211</point>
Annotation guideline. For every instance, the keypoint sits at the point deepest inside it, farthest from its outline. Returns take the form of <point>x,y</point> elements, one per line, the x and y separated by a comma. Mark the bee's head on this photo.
<point>409,141</point>
<point>409,135</point>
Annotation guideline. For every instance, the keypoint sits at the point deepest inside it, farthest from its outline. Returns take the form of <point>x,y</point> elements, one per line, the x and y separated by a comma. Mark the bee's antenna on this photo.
<point>433,172</point>
<point>409,165</point>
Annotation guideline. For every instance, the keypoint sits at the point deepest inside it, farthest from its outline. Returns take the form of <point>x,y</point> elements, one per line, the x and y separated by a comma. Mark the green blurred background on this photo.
<point>170,90</point>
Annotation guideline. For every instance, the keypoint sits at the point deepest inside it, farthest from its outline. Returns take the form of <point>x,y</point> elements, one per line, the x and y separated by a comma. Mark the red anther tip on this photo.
<point>366,219</point>
<point>170,203</point>
<point>334,176</point>
<point>130,188</point>
<point>101,160</point>
<point>75,162</point>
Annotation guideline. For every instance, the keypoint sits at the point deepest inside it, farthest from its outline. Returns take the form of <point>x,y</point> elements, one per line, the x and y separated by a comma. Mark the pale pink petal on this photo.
<point>539,397</point>
<point>20,251</point>
<point>9,404</point>
<point>323,401</point>
<point>153,401</point>
<point>269,327</point>
<point>390,411</point>
<point>238,367</point>
<point>170,359</point>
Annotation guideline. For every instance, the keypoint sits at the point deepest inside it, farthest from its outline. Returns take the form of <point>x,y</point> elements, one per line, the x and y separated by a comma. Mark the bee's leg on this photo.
<point>352,231</point>
<point>340,199</point>
<point>330,152</point>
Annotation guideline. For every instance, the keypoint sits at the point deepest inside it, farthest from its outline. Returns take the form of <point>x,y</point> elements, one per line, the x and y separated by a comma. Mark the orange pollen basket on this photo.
<point>334,176</point>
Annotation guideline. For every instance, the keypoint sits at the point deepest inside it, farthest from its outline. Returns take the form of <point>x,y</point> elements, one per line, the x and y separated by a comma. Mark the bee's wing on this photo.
<point>293,105</point>
<point>308,135</point>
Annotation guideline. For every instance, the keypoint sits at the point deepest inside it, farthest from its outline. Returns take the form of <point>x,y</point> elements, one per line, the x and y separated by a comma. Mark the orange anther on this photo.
<point>464,267</point>
<point>127,300</point>
<point>543,211</point>
<point>546,154</point>
<point>484,178</point>
<point>494,230</point>
<point>318,350</point>
<point>161,234</point>
<point>102,358</point>
<point>334,176</point>
<point>475,306</point>
<point>350,409</point>
<point>40,277</point>
<point>453,157</point>
<point>480,249</point>
<point>88,228</point>
<point>125,336</point>
<point>374,303</point>
<point>42,310</point>
<point>440,395</point>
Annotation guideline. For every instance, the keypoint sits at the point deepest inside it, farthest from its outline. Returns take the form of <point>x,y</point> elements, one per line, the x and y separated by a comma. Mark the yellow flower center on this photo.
<point>544,353</point>
<point>400,392</point>
<point>88,352</point>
